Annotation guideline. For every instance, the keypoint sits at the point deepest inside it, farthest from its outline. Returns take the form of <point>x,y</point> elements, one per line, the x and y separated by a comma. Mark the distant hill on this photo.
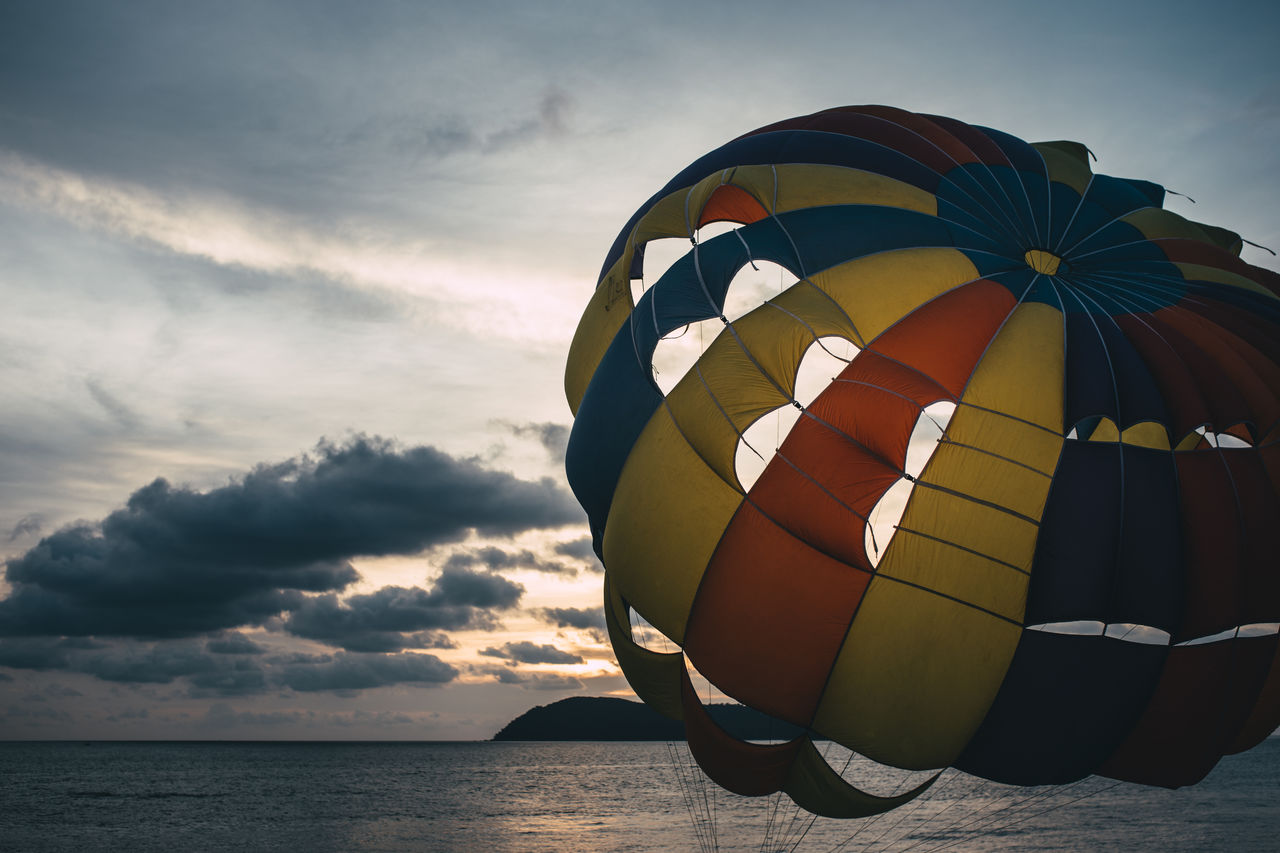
<point>606,718</point>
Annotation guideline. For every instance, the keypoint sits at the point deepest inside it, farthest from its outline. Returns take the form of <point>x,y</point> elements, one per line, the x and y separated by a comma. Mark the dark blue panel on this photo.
<point>1105,376</point>
<point>1110,546</point>
<point>1106,200</point>
<point>1149,582</point>
<point>618,402</point>
<point>789,146</point>
<point>1067,702</point>
<point>1089,386</point>
<point>1079,537</point>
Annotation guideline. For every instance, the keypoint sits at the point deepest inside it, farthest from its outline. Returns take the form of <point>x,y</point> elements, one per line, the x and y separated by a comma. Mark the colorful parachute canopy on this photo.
<point>1084,579</point>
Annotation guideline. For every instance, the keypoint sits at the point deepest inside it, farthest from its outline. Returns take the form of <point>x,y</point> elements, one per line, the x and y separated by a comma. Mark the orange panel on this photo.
<point>770,616</point>
<point>944,338</point>
<point>731,204</point>
<point>749,769</point>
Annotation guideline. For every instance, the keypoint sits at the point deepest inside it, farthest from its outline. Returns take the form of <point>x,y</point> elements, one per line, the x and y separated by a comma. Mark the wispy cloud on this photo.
<point>447,289</point>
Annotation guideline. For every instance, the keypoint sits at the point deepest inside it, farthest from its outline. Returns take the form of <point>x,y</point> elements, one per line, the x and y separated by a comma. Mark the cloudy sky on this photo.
<point>288,287</point>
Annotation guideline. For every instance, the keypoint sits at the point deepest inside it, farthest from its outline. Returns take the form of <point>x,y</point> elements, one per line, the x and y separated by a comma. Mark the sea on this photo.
<point>495,797</point>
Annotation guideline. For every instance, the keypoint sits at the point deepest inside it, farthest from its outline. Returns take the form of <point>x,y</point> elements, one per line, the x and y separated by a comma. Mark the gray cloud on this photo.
<point>232,643</point>
<point>221,674</point>
<point>498,559</point>
<point>351,672</point>
<point>535,680</point>
<point>134,663</point>
<point>176,562</point>
<point>580,549</point>
<point>553,437</point>
<point>384,620</point>
<point>27,525</point>
<point>527,652</point>
<point>573,617</point>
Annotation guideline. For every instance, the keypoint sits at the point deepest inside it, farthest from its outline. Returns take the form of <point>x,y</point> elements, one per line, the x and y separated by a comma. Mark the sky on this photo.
<point>288,289</point>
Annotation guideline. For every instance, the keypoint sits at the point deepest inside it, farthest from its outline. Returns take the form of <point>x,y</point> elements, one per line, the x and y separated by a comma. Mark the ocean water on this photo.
<point>496,797</point>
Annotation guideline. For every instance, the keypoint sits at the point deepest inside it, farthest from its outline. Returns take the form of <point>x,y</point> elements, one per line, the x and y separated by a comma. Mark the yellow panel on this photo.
<point>879,290</point>
<point>705,426</point>
<point>667,516</point>
<point>1147,434</point>
<point>915,677</point>
<point>1198,272</point>
<point>989,478</point>
<point>654,676</point>
<point>1065,167</point>
<point>968,551</point>
<point>1027,444</point>
<point>807,185</point>
<point>1021,373</point>
<point>1157,223</point>
<point>1106,430</point>
<point>608,308</point>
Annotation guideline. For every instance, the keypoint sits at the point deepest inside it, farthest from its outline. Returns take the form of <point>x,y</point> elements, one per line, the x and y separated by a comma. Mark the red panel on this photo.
<point>1211,544</point>
<point>977,141</point>
<point>749,769</point>
<point>861,123</point>
<point>932,131</point>
<point>1206,254</point>
<point>1219,357</point>
<point>1204,696</point>
<point>821,486</point>
<point>770,616</point>
<point>945,337</point>
<point>731,204</point>
<point>1178,385</point>
<point>1260,522</point>
<point>1266,712</point>
<point>877,402</point>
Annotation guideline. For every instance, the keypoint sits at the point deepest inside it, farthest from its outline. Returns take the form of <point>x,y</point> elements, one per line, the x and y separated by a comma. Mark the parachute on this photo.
<point>1083,578</point>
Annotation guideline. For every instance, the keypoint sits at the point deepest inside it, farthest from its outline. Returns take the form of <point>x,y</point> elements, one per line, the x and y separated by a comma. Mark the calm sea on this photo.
<point>496,797</point>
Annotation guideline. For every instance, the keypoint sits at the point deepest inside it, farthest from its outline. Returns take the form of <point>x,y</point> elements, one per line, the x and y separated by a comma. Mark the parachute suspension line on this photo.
<point>701,805</point>
<point>686,785</point>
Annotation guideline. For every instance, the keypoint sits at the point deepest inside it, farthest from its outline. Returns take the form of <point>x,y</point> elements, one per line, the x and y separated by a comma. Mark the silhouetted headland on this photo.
<point>605,718</point>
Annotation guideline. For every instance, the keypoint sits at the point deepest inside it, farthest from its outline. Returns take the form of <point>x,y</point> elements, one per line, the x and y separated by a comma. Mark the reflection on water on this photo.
<point>563,797</point>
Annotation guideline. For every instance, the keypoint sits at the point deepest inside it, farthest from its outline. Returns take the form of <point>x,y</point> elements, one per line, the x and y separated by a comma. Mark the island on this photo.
<point>610,718</point>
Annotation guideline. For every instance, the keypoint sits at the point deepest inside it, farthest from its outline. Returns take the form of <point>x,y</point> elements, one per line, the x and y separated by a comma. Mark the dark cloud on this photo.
<point>385,620</point>
<point>573,617</point>
<point>498,559</point>
<point>27,525</point>
<point>136,663</point>
<point>527,652</point>
<point>347,672</point>
<point>220,674</point>
<point>535,680</point>
<point>176,562</point>
<point>580,549</point>
<point>232,643</point>
<point>552,436</point>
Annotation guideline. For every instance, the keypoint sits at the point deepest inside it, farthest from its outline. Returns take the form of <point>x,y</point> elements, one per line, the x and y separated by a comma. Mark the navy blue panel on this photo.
<point>974,191</point>
<point>1064,201</point>
<point>1110,546</point>
<point>615,408</point>
<point>1067,702</point>
<point>1107,199</point>
<point>789,146</point>
<point>1089,386</point>
<point>1079,537</point>
<point>1149,582</point>
<point>1105,376</point>
<point>1140,398</point>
